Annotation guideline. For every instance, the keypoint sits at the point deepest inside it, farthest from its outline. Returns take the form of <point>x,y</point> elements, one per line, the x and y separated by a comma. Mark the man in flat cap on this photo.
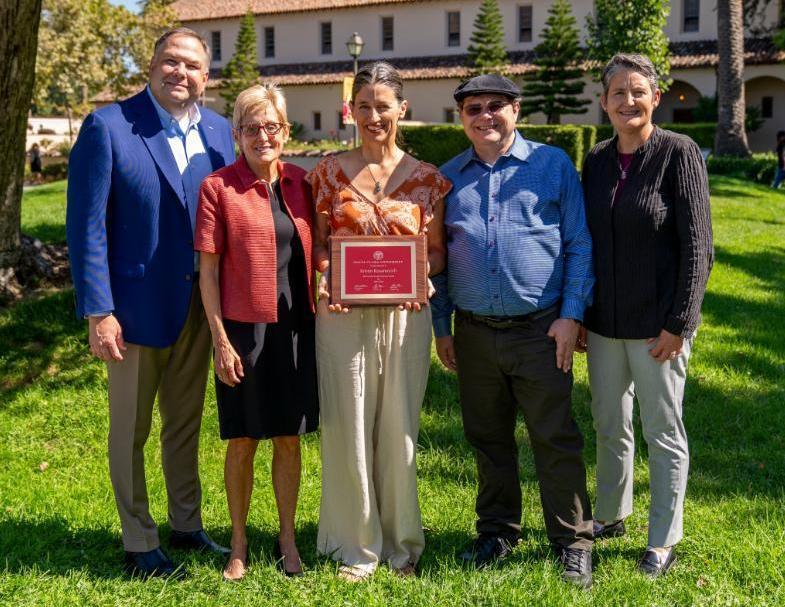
<point>519,277</point>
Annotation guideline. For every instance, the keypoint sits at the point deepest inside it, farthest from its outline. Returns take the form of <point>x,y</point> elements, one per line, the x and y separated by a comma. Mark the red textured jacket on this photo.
<point>234,220</point>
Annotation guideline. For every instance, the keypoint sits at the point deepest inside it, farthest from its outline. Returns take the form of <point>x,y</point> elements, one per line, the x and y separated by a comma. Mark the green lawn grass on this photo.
<point>59,533</point>
<point>43,212</point>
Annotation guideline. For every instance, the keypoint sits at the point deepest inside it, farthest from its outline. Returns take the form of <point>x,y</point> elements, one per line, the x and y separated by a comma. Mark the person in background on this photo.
<point>373,361</point>
<point>518,278</point>
<point>779,176</point>
<point>253,230</point>
<point>647,204</point>
<point>35,164</point>
<point>133,185</point>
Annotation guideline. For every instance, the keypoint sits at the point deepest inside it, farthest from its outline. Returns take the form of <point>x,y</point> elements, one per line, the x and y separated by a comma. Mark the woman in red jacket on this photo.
<point>254,233</point>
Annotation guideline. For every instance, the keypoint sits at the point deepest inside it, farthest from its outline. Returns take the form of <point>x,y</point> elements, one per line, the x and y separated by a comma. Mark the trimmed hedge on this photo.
<point>758,167</point>
<point>701,133</point>
<point>438,143</point>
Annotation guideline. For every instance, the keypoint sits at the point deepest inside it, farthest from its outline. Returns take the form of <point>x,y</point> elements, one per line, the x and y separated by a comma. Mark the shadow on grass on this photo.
<point>56,547</point>
<point>43,341</point>
<point>46,231</point>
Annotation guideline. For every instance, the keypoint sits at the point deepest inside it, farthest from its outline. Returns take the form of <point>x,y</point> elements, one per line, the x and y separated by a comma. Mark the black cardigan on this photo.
<point>653,248</point>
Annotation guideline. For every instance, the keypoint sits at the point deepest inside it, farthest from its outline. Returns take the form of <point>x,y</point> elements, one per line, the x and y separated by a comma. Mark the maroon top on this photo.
<point>625,160</point>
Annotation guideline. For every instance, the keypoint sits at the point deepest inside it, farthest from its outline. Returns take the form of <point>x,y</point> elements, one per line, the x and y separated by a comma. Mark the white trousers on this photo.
<point>620,369</point>
<point>373,370</point>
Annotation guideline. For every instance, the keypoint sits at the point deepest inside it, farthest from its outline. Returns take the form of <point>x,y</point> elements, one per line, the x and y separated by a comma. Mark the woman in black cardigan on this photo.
<point>647,205</point>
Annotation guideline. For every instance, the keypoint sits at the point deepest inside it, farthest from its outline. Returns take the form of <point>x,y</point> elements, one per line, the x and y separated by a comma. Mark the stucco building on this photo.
<point>301,45</point>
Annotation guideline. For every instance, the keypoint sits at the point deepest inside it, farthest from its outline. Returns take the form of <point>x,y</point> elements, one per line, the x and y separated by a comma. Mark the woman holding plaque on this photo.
<point>373,361</point>
<point>647,206</point>
<point>253,229</point>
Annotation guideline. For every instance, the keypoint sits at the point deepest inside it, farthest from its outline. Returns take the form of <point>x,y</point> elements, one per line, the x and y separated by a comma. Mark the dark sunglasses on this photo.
<point>253,130</point>
<point>475,109</point>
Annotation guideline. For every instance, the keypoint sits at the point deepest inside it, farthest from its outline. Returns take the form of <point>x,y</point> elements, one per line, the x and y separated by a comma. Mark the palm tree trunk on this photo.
<point>731,138</point>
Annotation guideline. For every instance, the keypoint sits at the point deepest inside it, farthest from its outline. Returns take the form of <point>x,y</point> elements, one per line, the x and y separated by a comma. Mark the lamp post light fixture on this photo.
<point>354,45</point>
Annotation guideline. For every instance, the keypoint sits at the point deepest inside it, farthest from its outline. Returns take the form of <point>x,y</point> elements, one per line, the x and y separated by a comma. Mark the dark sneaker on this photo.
<point>577,566</point>
<point>653,565</point>
<point>615,529</point>
<point>487,549</point>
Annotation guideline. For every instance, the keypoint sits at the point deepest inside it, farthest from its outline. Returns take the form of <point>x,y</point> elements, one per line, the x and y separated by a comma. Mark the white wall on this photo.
<point>420,29</point>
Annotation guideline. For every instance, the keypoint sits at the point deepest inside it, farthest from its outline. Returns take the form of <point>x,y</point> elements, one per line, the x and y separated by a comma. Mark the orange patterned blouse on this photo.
<point>406,210</point>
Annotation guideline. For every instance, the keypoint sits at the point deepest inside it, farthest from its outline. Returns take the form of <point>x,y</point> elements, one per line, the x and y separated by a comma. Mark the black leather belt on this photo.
<point>505,322</point>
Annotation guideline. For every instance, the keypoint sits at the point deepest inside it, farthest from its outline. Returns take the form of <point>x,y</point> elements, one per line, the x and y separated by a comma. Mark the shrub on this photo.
<point>438,143</point>
<point>758,167</point>
<point>55,171</point>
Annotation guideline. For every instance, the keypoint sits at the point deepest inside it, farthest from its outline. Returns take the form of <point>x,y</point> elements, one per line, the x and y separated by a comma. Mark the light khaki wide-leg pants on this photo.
<point>373,369</point>
<point>178,375</point>
<point>620,370</point>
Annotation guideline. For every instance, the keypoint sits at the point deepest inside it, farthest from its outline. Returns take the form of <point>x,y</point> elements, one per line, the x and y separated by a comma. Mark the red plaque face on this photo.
<point>378,270</point>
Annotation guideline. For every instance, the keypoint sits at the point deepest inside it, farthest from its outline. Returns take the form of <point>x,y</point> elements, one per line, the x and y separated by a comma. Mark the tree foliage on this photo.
<point>487,51</point>
<point>241,70</point>
<point>629,27</point>
<point>86,46</point>
<point>554,88</point>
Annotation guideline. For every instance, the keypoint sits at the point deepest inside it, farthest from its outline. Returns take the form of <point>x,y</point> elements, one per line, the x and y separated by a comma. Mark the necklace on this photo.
<point>377,186</point>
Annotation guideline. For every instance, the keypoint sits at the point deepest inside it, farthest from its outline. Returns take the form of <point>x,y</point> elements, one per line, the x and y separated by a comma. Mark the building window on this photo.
<point>326,28</point>
<point>269,41</point>
<point>692,9</point>
<point>317,121</point>
<point>525,23</point>
<point>387,33</point>
<point>454,28</point>
<point>767,107</point>
<point>341,124</point>
<point>215,45</point>
<point>449,115</point>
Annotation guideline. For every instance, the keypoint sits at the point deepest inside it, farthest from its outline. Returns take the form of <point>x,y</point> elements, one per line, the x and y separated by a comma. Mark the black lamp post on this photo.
<point>354,45</point>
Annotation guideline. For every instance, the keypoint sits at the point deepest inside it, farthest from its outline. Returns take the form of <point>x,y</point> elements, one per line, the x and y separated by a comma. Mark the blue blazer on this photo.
<point>127,224</point>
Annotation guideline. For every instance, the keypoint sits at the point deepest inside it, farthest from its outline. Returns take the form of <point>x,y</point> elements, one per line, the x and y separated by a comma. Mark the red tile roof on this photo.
<point>200,10</point>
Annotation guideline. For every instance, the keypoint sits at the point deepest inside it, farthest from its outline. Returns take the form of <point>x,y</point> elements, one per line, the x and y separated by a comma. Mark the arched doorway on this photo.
<point>768,94</point>
<point>677,104</point>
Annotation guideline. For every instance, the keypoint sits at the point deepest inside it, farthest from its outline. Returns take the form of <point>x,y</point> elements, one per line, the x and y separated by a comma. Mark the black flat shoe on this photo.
<point>604,532</point>
<point>651,565</point>
<point>196,540</point>
<point>487,549</point>
<point>280,562</point>
<point>153,563</point>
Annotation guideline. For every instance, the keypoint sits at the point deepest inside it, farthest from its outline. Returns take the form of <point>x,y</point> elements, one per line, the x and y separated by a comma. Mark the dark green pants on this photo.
<point>501,370</point>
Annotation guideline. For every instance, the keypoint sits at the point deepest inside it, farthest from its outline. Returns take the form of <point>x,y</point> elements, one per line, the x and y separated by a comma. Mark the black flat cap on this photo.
<point>485,84</point>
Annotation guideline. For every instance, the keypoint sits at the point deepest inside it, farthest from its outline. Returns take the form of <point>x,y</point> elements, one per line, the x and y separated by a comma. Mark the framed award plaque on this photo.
<point>378,270</point>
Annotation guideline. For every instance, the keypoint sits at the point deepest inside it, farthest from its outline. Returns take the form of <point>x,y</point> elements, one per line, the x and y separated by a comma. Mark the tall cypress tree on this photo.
<point>241,70</point>
<point>555,86</point>
<point>487,52</point>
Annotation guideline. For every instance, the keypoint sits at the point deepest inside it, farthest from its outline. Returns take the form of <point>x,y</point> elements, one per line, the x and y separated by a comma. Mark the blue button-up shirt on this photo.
<point>188,150</point>
<point>517,239</point>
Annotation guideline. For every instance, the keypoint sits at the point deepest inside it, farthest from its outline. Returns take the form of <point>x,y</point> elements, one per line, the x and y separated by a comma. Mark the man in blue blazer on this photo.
<point>134,177</point>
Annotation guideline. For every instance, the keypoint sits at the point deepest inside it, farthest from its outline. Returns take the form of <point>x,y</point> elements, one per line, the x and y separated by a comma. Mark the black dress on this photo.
<point>278,395</point>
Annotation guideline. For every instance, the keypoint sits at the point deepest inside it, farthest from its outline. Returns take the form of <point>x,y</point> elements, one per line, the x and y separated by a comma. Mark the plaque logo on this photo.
<point>378,255</point>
